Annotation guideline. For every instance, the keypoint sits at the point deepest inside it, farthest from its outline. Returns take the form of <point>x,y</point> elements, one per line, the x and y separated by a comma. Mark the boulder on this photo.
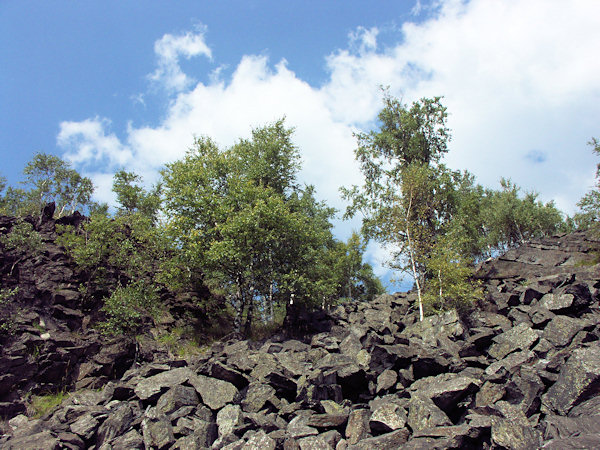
<point>579,380</point>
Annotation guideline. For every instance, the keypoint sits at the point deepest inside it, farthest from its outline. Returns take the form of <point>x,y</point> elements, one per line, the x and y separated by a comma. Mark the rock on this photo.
<point>116,424</point>
<point>152,386</point>
<point>257,395</point>
<point>157,430</point>
<point>423,413</point>
<point>327,420</point>
<point>175,398</point>
<point>261,441</point>
<point>561,329</point>
<point>384,442</point>
<point>214,393</point>
<point>521,337</point>
<point>508,434</point>
<point>130,440</point>
<point>358,425</point>
<point>85,426</point>
<point>298,428</point>
<point>579,379</point>
<point>446,390</point>
<point>229,419</point>
<point>43,440</point>
<point>387,417</point>
<point>386,380</point>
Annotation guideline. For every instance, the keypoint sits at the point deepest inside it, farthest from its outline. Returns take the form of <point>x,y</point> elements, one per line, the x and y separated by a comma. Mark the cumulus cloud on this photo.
<point>516,76</point>
<point>169,49</point>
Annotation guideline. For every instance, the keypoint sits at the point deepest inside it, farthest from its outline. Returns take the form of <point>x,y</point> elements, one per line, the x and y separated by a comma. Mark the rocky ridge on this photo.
<point>521,371</point>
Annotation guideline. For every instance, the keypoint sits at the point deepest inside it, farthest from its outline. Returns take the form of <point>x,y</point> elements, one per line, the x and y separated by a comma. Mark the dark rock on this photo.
<point>214,393</point>
<point>384,442</point>
<point>510,434</point>
<point>175,398</point>
<point>358,425</point>
<point>424,413</point>
<point>579,380</point>
<point>387,417</point>
<point>521,337</point>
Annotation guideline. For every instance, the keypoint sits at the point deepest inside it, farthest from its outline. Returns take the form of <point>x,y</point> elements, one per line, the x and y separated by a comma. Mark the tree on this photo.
<point>404,197</point>
<point>134,198</point>
<point>52,179</point>
<point>589,215</point>
<point>239,218</point>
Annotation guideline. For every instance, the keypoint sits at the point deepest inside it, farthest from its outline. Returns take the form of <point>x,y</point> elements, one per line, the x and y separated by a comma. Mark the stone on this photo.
<point>85,426</point>
<point>43,440</point>
<point>214,393</point>
<point>513,435</point>
<point>152,386</point>
<point>116,424</point>
<point>384,442</point>
<point>298,428</point>
<point>229,419</point>
<point>387,417</point>
<point>358,425</point>
<point>156,430</point>
<point>176,397</point>
<point>257,395</point>
<point>521,337</point>
<point>261,441</point>
<point>561,330</point>
<point>579,377</point>
<point>386,380</point>
<point>327,420</point>
<point>423,413</point>
<point>446,390</point>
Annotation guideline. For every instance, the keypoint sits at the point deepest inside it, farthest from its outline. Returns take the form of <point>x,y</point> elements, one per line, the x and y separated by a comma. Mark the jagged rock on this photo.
<point>214,393</point>
<point>358,425</point>
<point>152,386</point>
<point>423,413</point>
<point>507,433</point>
<point>43,440</point>
<point>229,419</point>
<point>387,417</point>
<point>578,380</point>
<point>175,398</point>
<point>561,330</point>
<point>521,337</point>
<point>116,424</point>
<point>384,442</point>
<point>157,430</point>
<point>256,396</point>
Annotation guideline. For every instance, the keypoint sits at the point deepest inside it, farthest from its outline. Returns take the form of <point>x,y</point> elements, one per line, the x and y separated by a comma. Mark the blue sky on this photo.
<point>116,84</point>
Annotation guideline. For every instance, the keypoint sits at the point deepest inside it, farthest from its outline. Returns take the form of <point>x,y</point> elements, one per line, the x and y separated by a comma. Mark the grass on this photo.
<point>42,404</point>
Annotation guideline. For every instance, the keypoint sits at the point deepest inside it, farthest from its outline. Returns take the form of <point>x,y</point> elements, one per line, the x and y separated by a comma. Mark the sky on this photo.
<point>113,84</point>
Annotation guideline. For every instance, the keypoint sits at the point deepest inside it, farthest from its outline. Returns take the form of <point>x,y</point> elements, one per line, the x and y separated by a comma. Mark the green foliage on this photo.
<point>240,220</point>
<point>133,198</point>
<point>412,203</point>
<point>22,239</point>
<point>127,306</point>
<point>7,310</point>
<point>52,179</point>
<point>450,285</point>
<point>42,404</point>
<point>588,218</point>
<point>124,248</point>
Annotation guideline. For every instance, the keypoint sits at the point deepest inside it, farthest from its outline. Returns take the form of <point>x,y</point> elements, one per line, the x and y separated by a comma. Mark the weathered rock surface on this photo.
<point>522,371</point>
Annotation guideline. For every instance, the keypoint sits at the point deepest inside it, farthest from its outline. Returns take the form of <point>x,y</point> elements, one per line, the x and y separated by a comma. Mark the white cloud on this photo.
<point>169,49</point>
<point>516,76</point>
